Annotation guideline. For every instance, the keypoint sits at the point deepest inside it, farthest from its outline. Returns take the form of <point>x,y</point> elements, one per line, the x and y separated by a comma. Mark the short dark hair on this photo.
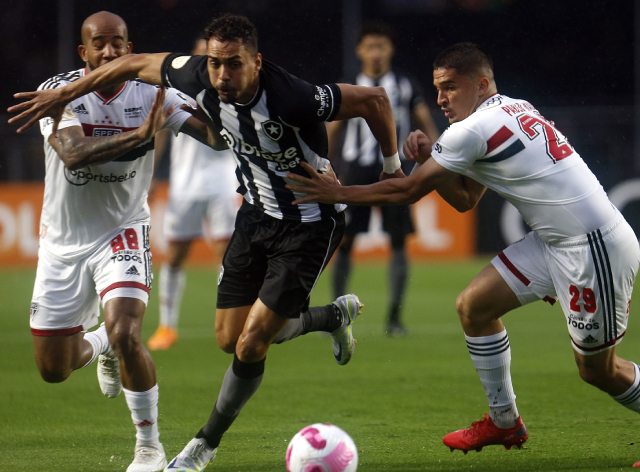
<point>376,28</point>
<point>466,58</point>
<point>229,27</point>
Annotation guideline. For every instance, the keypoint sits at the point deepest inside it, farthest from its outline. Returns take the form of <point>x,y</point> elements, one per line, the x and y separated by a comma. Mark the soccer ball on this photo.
<point>322,448</point>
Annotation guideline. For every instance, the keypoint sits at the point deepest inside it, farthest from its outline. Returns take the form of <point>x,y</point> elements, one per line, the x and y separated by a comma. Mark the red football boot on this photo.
<point>484,433</point>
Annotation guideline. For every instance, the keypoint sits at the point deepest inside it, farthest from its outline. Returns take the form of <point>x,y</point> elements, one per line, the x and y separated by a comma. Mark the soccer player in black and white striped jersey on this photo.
<point>273,121</point>
<point>363,161</point>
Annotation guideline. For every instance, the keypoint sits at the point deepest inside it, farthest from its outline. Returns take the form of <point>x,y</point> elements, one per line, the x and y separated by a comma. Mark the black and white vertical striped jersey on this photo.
<point>405,94</point>
<point>280,127</point>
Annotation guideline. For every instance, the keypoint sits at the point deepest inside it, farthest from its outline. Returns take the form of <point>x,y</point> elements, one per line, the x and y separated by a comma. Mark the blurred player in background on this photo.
<point>273,122</point>
<point>363,162</point>
<point>581,251</point>
<point>202,191</point>
<point>94,232</point>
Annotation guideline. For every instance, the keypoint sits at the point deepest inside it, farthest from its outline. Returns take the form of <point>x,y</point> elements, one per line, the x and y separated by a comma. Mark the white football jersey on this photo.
<point>84,207</point>
<point>509,147</point>
<point>199,172</point>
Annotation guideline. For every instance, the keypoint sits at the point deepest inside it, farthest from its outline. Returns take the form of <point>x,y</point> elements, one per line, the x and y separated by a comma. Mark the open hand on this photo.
<point>37,105</point>
<point>319,188</point>
<point>157,116</point>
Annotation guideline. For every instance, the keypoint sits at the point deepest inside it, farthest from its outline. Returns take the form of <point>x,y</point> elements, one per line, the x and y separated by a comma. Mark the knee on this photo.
<point>226,343</point>
<point>54,374</point>
<point>125,339</point>
<point>251,349</point>
<point>464,307</point>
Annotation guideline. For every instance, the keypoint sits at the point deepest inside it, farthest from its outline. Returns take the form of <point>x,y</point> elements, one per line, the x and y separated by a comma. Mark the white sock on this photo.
<point>491,356</point>
<point>144,413</point>
<point>631,398</point>
<point>172,282</point>
<point>99,341</point>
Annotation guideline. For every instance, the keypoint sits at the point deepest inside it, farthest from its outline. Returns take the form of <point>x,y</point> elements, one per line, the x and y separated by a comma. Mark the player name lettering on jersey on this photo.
<point>518,107</point>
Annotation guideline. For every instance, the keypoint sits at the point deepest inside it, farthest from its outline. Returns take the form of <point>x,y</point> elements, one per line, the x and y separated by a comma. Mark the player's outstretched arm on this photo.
<point>199,126</point>
<point>325,188</point>
<point>77,150</point>
<point>462,193</point>
<point>51,102</point>
<point>372,104</point>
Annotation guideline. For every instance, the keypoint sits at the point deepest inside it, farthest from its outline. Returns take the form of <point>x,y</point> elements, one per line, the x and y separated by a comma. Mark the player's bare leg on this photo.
<point>58,356</point>
<point>123,317</point>
<point>612,374</point>
<point>249,341</point>
<point>480,307</point>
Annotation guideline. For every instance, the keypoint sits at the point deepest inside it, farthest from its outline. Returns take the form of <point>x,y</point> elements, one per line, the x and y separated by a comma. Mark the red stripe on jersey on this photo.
<point>498,139</point>
<point>598,348</point>
<point>56,332</point>
<point>124,284</point>
<point>521,277</point>
<point>106,99</point>
<point>549,300</point>
<point>89,129</point>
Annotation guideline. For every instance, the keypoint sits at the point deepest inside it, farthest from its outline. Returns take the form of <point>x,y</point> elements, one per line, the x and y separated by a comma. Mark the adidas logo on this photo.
<point>589,339</point>
<point>132,271</point>
<point>145,423</point>
<point>80,109</point>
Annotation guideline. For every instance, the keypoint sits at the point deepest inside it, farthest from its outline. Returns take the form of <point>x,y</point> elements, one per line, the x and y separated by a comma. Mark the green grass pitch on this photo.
<point>396,398</point>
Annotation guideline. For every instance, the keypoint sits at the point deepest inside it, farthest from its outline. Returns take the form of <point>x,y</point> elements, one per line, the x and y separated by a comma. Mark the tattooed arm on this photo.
<point>77,150</point>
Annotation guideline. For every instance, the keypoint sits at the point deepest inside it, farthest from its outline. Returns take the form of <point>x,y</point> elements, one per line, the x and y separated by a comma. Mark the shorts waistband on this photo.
<point>584,238</point>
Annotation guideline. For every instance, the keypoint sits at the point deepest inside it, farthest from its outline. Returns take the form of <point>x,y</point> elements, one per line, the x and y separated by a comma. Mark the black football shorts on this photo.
<point>278,261</point>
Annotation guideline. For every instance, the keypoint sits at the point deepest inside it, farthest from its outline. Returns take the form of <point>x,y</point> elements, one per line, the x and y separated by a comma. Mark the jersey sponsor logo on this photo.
<point>133,112</point>
<point>285,160</point>
<point>132,271</point>
<point>80,110</point>
<point>589,340</point>
<point>582,322</point>
<point>179,62</point>
<point>127,255</point>
<point>84,176</point>
<point>322,97</point>
<point>272,129</point>
<point>99,132</point>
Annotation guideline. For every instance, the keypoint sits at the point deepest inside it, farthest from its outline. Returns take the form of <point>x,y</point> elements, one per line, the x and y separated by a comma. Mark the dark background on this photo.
<point>551,52</point>
<point>574,60</point>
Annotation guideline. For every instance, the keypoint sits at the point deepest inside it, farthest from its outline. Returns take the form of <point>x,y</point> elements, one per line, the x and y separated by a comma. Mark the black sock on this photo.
<point>240,383</point>
<point>321,318</point>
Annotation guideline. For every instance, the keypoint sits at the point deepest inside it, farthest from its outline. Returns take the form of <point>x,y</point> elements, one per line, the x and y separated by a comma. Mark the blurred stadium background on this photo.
<point>578,62</point>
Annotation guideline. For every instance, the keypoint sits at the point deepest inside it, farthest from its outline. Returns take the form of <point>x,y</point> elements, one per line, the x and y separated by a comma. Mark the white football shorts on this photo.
<point>184,220</point>
<point>591,275</point>
<point>67,295</point>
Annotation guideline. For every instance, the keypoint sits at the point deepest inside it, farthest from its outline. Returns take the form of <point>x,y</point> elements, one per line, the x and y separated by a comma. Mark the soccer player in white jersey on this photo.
<point>202,191</point>
<point>94,233</point>
<point>581,251</point>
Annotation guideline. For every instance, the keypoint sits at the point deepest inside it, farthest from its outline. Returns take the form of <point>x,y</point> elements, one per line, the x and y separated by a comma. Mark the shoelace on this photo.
<point>476,426</point>
<point>108,364</point>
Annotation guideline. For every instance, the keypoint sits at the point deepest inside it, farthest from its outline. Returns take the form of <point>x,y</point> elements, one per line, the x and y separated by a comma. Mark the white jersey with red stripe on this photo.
<point>84,207</point>
<point>509,147</point>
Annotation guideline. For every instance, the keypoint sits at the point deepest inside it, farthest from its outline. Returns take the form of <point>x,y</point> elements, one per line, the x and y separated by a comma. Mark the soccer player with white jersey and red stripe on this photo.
<point>94,232</point>
<point>581,251</point>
